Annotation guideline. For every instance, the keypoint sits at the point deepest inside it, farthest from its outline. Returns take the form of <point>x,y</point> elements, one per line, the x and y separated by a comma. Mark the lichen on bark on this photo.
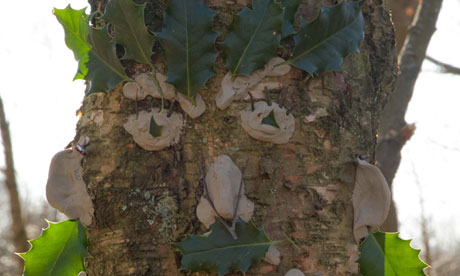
<point>143,201</point>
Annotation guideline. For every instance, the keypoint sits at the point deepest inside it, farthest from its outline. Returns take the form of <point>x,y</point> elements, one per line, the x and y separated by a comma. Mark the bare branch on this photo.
<point>235,212</point>
<point>445,68</point>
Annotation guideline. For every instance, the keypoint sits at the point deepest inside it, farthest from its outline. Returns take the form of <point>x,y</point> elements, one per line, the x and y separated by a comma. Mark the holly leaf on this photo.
<point>219,253</point>
<point>323,43</point>
<point>155,129</point>
<point>290,10</point>
<point>60,250</point>
<point>127,19</point>
<point>385,254</point>
<point>104,68</point>
<point>76,28</point>
<point>188,41</point>
<point>270,120</point>
<point>253,37</point>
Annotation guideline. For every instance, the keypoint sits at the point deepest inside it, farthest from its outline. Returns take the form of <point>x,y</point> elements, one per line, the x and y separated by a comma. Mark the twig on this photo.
<point>283,97</point>
<point>203,180</point>
<point>252,101</point>
<point>267,96</point>
<point>136,107</point>
<point>445,68</point>
<point>171,108</point>
<point>235,212</point>
<point>291,109</point>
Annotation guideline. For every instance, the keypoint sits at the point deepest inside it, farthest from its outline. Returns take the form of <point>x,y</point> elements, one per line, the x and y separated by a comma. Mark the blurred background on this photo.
<point>40,103</point>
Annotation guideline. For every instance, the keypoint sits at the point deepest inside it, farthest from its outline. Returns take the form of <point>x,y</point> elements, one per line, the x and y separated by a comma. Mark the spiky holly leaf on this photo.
<point>290,10</point>
<point>60,250</point>
<point>104,68</point>
<point>188,41</point>
<point>76,28</point>
<point>127,18</point>
<point>322,44</point>
<point>270,120</point>
<point>155,129</point>
<point>253,37</point>
<point>219,253</point>
<point>385,254</point>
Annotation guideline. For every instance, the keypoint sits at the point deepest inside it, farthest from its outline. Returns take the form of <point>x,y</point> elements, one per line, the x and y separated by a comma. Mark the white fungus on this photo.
<point>143,86</point>
<point>237,88</point>
<point>65,190</point>
<point>138,125</point>
<point>223,181</point>
<point>294,272</point>
<point>272,256</point>
<point>193,110</point>
<point>371,199</point>
<point>251,122</point>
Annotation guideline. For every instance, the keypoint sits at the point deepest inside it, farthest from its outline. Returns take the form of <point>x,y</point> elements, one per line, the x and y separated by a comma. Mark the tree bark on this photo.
<point>394,131</point>
<point>144,201</point>
<point>17,226</point>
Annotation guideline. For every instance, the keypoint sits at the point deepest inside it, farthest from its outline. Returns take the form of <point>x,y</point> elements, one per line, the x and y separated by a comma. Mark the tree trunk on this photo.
<point>144,201</point>
<point>394,132</point>
<point>17,226</point>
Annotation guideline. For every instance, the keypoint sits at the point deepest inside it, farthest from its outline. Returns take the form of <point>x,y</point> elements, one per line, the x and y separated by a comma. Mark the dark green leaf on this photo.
<point>188,41</point>
<point>253,37</point>
<point>290,10</point>
<point>127,18</point>
<point>59,251</point>
<point>104,69</point>
<point>219,253</point>
<point>155,130</point>
<point>323,43</point>
<point>270,120</point>
<point>75,23</point>
<point>385,254</point>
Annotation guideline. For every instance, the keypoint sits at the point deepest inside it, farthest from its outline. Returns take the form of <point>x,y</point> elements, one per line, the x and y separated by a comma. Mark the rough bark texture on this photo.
<point>144,201</point>
<point>17,227</point>
<point>394,131</point>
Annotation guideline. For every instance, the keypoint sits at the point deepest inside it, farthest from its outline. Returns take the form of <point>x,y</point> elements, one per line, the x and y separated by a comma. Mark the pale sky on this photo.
<point>41,101</point>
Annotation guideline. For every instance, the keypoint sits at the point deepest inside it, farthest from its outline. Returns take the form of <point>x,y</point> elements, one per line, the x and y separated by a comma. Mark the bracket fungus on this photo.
<point>371,199</point>
<point>233,89</point>
<point>138,125</point>
<point>223,183</point>
<point>294,272</point>
<point>252,123</point>
<point>272,256</point>
<point>143,86</point>
<point>193,110</point>
<point>65,190</point>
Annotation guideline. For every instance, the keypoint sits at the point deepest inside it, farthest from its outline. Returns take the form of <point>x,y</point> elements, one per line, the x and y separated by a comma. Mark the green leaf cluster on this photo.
<point>270,120</point>
<point>217,252</point>
<point>75,23</point>
<point>155,129</point>
<point>322,44</point>
<point>60,250</point>
<point>253,37</point>
<point>385,254</point>
<point>188,41</point>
